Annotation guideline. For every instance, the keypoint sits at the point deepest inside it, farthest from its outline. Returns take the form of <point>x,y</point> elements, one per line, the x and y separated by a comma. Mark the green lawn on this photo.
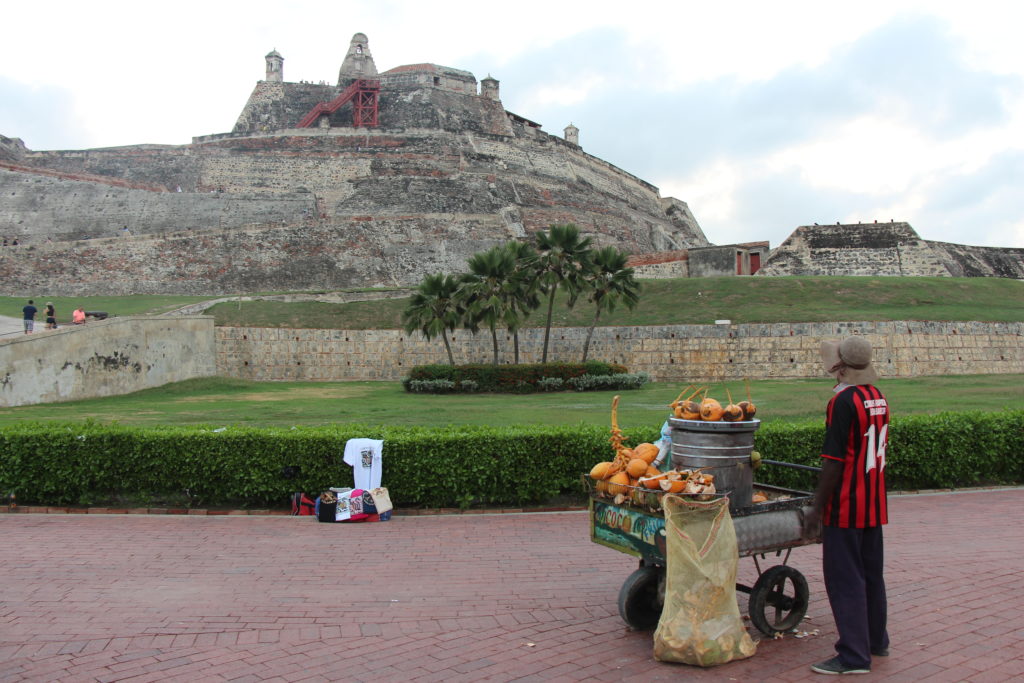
<point>228,401</point>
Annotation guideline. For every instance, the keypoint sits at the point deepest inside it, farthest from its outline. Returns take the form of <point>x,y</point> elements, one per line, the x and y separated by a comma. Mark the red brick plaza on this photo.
<point>504,597</point>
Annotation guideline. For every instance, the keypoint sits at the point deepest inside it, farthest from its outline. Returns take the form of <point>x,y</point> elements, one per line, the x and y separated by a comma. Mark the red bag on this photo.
<point>303,505</point>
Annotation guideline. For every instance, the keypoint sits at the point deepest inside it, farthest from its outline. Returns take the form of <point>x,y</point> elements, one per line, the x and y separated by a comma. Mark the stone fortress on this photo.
<point>436,171</point>
<point>377,180</point>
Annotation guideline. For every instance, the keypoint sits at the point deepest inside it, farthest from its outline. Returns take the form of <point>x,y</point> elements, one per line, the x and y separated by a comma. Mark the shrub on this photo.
<point>512,378</point>
<point>550,384</point>
<point>61,464</point>
<point>609,382</point>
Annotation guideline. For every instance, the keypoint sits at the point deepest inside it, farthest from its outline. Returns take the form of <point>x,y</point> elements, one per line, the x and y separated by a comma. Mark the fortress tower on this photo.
<point>489,88</point>
<point>358,61</point>
<point>275,67</point>
<point>572,134</point>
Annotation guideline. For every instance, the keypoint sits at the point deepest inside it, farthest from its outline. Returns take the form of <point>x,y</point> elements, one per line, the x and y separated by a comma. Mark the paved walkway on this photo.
<point>456,598</point>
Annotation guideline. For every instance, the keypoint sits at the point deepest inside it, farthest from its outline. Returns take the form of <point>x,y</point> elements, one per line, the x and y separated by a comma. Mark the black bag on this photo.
<point>326,507</point>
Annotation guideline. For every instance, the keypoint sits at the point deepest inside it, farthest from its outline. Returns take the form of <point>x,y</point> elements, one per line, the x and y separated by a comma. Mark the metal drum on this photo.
<point>719,448</point>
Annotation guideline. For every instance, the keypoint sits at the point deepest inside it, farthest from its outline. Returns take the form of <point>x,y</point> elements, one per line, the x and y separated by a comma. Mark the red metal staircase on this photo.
<point>363,94</point>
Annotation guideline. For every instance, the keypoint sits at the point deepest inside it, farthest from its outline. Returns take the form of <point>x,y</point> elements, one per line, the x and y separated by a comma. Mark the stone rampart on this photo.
<point>104,358</point>
<point>893,249</point>
<point>682,353</point>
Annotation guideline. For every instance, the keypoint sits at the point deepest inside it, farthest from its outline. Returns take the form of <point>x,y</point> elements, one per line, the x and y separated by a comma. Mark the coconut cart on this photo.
<point>633,523</point>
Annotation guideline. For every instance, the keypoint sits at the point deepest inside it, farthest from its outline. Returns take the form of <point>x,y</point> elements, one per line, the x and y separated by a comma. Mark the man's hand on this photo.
<point>810,521</point>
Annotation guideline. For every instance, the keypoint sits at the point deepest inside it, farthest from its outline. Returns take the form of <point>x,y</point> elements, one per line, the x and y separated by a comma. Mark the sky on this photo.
<point>762,116</point>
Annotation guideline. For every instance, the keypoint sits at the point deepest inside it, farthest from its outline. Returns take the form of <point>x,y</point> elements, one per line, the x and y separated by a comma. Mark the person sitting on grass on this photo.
<point>78,316</point>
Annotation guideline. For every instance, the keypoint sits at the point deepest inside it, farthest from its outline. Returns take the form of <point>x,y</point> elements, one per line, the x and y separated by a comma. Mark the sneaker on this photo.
<point>833,667</point>
<point>882,652</point>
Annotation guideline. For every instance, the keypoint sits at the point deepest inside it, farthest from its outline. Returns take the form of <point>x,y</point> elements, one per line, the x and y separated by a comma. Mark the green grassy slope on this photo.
<point>704,300</point>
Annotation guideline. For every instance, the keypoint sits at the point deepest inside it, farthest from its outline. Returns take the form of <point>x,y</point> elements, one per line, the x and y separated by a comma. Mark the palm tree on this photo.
<point>561,260</point>
<point>487,290</point>
<point>435,309</point>
<point>523,287</point>
<point>609,280</point>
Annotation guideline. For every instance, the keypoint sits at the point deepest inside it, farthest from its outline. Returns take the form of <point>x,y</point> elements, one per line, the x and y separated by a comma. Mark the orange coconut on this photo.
<point>600,470</point>
<point>672,486</point>
<point>652,481</point>
<point>637,467</point>
<point>646,451</point>
<point>710,410</point>
<point>619,483</point>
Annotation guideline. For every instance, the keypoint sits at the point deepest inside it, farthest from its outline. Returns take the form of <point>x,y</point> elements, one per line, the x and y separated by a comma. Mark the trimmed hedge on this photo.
<point>68,464</point>
<point>522,378</point>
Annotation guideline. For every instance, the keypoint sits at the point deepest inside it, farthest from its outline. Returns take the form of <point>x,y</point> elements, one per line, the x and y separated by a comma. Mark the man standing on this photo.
<point>29,314</point>
<point>849,507</point>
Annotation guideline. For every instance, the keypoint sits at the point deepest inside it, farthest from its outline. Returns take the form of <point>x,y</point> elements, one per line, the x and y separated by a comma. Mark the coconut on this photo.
<point>646,451</point>
<point>637,467</point>
<point>600,470</point>
<point>672,485</point>
<point>619,483</point>
<point>710,410</point>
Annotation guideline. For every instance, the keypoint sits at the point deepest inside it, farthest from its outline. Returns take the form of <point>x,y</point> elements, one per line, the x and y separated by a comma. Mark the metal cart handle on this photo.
<point>809,468</point>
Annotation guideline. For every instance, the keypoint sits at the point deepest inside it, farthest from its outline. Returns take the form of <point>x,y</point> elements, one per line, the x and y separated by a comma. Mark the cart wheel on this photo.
<point>774,606</point>
<point>640,598</point>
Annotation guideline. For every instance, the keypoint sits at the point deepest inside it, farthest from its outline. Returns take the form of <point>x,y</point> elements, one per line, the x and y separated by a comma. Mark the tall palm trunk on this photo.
<point>447,347</point>
<point>494,340</point>
<point>590,333</point>
<point>515,345</point>
<point>547,327</point>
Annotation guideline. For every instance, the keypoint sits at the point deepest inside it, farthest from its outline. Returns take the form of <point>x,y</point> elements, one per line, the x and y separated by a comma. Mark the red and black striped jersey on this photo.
<point>856,434</point>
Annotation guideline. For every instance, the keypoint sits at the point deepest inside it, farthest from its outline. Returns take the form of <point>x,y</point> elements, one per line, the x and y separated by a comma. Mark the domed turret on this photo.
<point>275,67</point>
<point>489,88</point>
<point>572,134</point>
<point>358,61</point>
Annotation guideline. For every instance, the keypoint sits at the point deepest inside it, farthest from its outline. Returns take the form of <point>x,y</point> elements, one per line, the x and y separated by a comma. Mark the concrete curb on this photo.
<point>411,512</point>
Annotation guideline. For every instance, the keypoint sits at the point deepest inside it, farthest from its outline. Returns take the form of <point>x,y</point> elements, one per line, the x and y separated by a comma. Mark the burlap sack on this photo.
<point>700,623</point>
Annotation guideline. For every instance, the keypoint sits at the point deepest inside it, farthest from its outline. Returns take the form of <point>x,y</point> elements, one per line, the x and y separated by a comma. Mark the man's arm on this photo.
<point>831,473</point>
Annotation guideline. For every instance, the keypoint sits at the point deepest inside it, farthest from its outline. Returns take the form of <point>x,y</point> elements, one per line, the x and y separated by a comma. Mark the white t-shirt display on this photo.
<point>364,455</point>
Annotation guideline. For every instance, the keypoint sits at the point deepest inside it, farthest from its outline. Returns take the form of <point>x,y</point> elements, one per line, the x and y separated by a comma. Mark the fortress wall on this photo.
<point>968,261</point>
<point>363,252</point>
<point>104,358</point>
<point>165,166</point>
<point>39,207</point>
<point>886,249</point>
<point>678,353</point>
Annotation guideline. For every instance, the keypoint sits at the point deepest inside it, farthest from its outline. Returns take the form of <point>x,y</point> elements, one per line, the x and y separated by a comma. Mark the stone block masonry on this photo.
<point>104,358</point>
<point>670,353</point>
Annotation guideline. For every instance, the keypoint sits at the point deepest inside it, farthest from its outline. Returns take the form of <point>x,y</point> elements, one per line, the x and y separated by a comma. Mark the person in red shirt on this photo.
<point>849,507</point>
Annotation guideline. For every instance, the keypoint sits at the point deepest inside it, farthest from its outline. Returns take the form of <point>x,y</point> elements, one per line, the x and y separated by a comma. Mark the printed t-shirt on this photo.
<point>364,455</point>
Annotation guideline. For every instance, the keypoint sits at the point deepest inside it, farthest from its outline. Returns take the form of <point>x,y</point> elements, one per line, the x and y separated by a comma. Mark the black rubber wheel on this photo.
<point>778,601</point>
<point>641,598</point>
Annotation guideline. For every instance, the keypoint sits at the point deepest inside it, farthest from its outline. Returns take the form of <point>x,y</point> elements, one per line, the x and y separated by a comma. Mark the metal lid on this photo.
<point>702,426</point>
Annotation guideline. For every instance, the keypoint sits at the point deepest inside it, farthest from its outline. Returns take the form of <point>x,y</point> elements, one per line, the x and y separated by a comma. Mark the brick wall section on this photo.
<point>684,353</point>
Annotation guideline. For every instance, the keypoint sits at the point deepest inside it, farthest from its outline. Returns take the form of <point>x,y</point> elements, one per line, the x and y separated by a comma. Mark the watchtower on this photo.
<point>275,67</point>
<point>489,88</point>
<point>572,134</point>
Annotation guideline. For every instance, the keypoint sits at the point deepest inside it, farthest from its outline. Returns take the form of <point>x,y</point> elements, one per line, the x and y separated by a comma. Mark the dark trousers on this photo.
<point>852,563</point>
